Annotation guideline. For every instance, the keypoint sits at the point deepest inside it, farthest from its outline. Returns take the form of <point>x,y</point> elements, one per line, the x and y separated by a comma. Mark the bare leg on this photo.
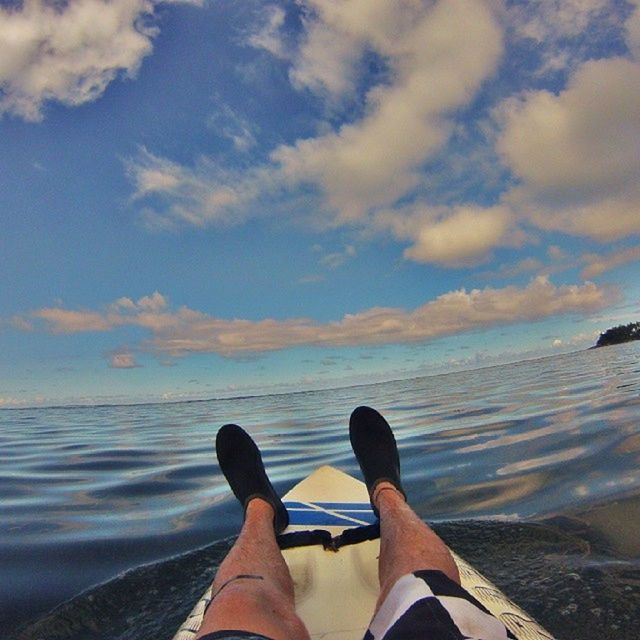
<point>263,602</point>
<point>407,544</point>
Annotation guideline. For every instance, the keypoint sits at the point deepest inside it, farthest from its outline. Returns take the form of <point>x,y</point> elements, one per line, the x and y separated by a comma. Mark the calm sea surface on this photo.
<point>87,493</point>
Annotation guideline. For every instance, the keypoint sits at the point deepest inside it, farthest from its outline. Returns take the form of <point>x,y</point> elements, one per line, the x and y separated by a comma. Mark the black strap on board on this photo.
<point>329,543</point>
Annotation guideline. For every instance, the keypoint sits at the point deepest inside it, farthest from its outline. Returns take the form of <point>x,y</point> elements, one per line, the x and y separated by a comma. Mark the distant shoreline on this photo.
<point>618,335</point>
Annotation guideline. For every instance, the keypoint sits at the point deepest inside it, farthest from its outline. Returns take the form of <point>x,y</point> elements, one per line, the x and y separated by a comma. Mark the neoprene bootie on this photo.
<point>241,462</point>
<point>376,451</point>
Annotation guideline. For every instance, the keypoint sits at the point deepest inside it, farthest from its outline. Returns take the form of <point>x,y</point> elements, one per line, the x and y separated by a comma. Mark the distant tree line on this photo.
<point>621,333</point>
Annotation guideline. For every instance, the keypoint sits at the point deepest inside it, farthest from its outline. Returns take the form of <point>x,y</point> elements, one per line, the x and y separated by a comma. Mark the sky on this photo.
<point>205,198</point>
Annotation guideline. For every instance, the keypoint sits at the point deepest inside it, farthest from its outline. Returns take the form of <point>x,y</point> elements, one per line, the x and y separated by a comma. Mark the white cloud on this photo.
<point>577,152</point>
<point>154,303</point>
<point>437,58</point>
<point>463,236</point>
<point>268,36</point>
<point>123,360</point>
<point>9,401</point>
<point>68,321</point>
<point>558,29</point>
<point>574,153</point>
<point>633,30</point>
<point>328,60</point>
<point>453,236</point>
<point>545,20</point>
<point>201,196</point>
<point>526,265</point>
<point>556,253</point>
<point>229,124</point>
<point>596,265</point>
<point>597,116</point>
<point>123,311</point>
<point>184,331</point>
<point>338,258</point>
<point>69,52</point>
<point>577,340</point>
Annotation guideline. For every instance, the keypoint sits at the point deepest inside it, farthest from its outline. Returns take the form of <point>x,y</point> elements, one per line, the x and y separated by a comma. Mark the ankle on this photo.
<point>258,509</point>
<point>386,492</point>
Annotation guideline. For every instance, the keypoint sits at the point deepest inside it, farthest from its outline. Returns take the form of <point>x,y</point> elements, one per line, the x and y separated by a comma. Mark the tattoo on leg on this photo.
<point>242,576</point>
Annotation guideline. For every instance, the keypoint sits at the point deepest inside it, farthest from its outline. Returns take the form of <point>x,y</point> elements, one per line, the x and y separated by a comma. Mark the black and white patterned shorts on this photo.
<point>428,604</point>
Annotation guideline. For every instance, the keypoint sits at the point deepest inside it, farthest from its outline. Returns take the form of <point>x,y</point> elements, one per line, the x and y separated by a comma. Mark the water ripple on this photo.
<point>524,440</point>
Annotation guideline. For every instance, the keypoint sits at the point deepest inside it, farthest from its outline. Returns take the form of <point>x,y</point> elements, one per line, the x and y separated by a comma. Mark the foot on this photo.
<point>241,462</point>
<point>376,451</point>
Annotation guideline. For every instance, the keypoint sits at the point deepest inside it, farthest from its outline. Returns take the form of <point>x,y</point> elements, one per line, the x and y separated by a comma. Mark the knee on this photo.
<point>242,597</point>
<point>262,605</point>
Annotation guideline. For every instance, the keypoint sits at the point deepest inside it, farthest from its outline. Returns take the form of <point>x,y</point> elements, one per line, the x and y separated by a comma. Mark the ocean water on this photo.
<point>115,517</point>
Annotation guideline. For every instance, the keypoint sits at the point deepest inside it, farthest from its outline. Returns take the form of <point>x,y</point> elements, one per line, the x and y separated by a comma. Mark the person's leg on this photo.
<point>253,590</point>
<point>407,544</point>
<point>420,591</point>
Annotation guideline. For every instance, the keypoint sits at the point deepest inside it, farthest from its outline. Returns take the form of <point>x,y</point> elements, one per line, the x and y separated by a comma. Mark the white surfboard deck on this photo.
<point>336,592</point>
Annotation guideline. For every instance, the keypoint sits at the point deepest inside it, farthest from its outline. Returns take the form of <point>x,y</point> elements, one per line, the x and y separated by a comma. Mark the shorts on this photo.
<point>428,604</point>
<point>424,604</point>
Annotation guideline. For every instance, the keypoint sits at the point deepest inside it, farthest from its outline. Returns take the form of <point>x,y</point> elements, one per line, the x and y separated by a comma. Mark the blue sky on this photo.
<point>202,199</point>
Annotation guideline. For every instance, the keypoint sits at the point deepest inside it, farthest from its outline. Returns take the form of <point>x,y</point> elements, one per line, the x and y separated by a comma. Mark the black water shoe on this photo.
<point>376,451</point>
<point>241,462</point>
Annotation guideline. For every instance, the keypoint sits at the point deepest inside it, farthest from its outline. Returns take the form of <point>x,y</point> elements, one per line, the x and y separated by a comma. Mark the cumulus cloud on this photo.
<point>572,154</point>
<point>145,311</point>
<point>597,116</point>
<point>576,153</point>
<point>438,59</point>
<point>122,360</point>
<point>69,52</point>
<point>328,60</point>
<point>596,265</point>
<point>463,237</point>
<point>453,236</point>
<point>155,302</point>
<point>68,321</point>
<point>184,331</point>
<point>436,56</point>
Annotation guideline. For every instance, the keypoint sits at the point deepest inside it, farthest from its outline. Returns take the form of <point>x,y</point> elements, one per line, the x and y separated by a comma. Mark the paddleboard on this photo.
<point>336,591</point>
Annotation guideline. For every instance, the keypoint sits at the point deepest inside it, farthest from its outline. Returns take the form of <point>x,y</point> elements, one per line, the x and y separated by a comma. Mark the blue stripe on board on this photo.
<point>334,506</point>
<point>329,513</point>
<point>296,505</point>
<point>329,519</point>
<point>345,506</point>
